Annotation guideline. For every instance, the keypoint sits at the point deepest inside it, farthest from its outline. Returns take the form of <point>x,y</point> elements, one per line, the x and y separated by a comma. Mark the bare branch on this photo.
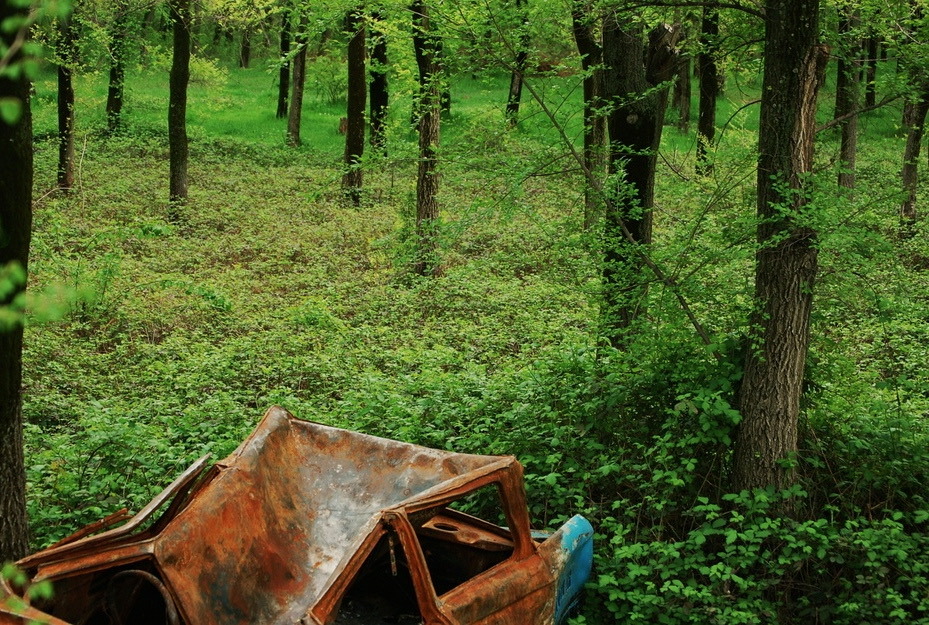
<point>662,277</point>
<point>757,12</point>
<point>841,118</point>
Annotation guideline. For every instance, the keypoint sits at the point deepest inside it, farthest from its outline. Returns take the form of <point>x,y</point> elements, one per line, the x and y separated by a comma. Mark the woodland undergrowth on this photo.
<point>174,336</point>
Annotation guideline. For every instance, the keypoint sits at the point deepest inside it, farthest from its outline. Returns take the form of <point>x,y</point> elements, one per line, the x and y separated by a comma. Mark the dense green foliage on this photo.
<point>269,289</point>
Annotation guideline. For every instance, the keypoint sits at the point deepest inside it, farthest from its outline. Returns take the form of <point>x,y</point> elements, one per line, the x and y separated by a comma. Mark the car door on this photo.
<point>476,571</point>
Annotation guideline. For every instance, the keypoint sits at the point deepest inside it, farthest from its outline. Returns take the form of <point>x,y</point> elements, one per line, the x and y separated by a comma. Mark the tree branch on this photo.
<point>664,278</point>
<point>759,13</point>
<point>841,118</point>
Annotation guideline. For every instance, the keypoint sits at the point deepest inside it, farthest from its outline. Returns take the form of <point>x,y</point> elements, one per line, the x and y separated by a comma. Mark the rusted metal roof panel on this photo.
<point>279,531</point>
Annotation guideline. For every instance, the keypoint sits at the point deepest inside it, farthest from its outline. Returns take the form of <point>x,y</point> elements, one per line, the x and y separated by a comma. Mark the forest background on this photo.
<point>526,314</point>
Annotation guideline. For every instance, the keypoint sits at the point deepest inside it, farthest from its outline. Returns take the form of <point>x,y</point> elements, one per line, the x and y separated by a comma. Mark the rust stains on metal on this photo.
<point>301,521</point>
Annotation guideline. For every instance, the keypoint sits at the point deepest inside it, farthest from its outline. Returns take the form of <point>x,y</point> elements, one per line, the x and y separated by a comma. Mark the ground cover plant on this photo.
<point>173,328</point>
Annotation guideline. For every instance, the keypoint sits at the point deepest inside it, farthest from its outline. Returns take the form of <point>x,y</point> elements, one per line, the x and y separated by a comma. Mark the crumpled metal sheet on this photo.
<point>274,533</point>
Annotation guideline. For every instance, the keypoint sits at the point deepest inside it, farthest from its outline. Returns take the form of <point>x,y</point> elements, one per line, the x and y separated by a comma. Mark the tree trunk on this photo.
<point>682,95</point>
<point>594,124</point>
<point>114,96</point>
<point>379,93</point>
<point>870,93</point>
<point>296,86</point>
<point>709,88</point>
<point>846,98</point>
<point>914,119</point>
<point>245,50</point>
<point>16,218</point>
<point>635,124</point>
<point>519,68</point>
<point>177,108</point>
<point>357,100</point>
<point>283,83</point>
<point>429,113</point>
<point>786,261</point>
<point>65,105</point>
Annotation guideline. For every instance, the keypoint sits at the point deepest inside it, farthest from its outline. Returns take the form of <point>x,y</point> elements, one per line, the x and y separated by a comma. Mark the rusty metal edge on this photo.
<point>70,549</point>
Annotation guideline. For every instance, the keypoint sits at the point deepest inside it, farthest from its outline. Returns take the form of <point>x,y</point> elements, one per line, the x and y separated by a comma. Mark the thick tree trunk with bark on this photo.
<point>15,232</point>
<point>914,120</point>
<point>709,88</point>
<point>357,100</point>
<point>118,35</point>
<point>786,261</point>
<point>429,104</point>
<point>296,89</point>
<point>632,73</point>
<point>847,100</point>
<point>65,105</point>
<point>519,67</point>
<point>594,123</point>
<point>380,98</point>
<point>177,106</point>
<point>283,80</point>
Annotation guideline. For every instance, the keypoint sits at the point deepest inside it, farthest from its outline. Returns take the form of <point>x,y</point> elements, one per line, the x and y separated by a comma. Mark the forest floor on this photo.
<point>154,340</point>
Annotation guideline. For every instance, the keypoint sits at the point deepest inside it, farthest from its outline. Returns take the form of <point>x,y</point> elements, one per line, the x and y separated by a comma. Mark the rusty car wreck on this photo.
<point>306,524</point>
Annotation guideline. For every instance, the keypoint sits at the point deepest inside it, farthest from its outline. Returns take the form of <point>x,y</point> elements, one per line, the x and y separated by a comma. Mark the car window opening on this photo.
<point>382,592</point>
<point>458,546</point>
<point>132,594</point>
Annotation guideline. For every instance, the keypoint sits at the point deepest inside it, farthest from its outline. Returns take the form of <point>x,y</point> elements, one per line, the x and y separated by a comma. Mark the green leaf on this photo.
<point>10,110</point>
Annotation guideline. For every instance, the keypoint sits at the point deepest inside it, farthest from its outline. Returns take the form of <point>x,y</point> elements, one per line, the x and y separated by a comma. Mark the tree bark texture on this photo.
<point>283,81</point>
<point>379,90</point>
<point>682,94</point>
<point>245,50</point>
<point>870,91</point>
<point>429,115</point>
<point>709,88</point>
<point>914,120</point>
<point>519,67</point>
<point>65,104</point>
<point>15,232</point>
<point>786,261</point>
<point>177,106</point>
<point>296,88</point>
<point>357,101</point>
<point>591,53</point>
<point>847,99</point>
<point>118,36</point>
<point>633,72</point>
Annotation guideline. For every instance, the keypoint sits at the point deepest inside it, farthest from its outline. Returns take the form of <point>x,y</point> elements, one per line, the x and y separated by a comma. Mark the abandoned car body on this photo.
<point>306,524</point>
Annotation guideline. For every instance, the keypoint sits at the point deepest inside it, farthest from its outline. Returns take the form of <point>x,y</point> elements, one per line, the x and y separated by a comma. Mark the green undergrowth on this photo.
<point>266,288</point>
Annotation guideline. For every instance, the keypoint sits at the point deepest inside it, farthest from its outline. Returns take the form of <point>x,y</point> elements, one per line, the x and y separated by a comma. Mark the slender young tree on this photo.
<point>709,87</point>
<point>245,50</point>
<point>15,233</point>
<point>296,86</point>
<point>519,65</point>
<point>914,120</point>
<point>846,95</point>
<point>586,37</point>
<point>177,107</point>
<point>682,92</point>
<point>357,100</point>
<point>283,84</point>
<point>65,50</point>
<point>635,71</point>
<point>786,260</point>
<point>870,90</point>
<point>380,98</point>
<point>429,112</point>
<point>118,39</point>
